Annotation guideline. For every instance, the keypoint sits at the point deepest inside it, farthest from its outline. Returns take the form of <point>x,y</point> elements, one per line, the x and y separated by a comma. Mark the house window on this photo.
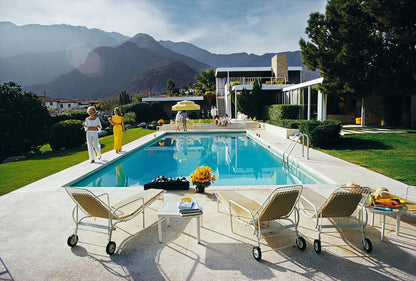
<point>69,105</point>
<point>61,106</point>
<point>51,103</point>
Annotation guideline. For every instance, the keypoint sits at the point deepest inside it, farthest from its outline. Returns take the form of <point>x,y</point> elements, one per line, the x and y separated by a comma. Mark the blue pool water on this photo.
<point>235,159</point>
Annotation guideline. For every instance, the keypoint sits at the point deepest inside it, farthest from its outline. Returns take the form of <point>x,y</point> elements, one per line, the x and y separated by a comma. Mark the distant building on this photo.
<point>62,105</point>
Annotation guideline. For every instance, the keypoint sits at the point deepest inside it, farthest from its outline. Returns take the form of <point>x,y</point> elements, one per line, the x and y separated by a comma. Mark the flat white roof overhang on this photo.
<point>248,71</point>
<point>304,84</point>
<point>239,88</point>
<point>173,99</point>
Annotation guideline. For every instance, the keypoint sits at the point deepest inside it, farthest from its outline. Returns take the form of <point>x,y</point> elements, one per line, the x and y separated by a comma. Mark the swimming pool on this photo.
<point>235,158</point>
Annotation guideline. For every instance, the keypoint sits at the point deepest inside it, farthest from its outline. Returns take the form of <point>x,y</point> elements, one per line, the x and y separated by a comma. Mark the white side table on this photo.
<point>384,213</point>
<point>169,210</point>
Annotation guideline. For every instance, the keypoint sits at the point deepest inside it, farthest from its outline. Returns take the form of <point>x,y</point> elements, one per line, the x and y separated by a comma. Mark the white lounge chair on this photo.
<point>279,205</point>
<point>94,206</point>
<point>344,202</point>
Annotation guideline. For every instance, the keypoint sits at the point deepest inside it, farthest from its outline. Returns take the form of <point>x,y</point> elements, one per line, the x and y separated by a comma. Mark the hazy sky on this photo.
<point>219,26</point>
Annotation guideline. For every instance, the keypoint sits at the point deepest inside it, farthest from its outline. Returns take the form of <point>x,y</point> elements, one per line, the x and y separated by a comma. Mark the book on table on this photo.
<point>189,208</point>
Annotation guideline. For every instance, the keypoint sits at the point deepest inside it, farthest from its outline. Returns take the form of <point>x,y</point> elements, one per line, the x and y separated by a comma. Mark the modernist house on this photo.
<point>285,84</point>
<point>274,79</point>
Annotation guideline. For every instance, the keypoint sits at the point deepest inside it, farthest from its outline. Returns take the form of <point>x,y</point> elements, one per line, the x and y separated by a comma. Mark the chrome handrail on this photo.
<point>292,144</point>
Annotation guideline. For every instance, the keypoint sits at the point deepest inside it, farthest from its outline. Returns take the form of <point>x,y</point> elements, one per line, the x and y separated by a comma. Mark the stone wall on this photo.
<point>280,66</point>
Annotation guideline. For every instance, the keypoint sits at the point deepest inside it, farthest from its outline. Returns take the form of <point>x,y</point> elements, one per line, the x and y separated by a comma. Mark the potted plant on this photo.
<point>202,178</point>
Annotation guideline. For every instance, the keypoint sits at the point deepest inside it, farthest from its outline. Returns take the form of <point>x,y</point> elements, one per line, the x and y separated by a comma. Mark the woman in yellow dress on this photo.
<point>118,128</point>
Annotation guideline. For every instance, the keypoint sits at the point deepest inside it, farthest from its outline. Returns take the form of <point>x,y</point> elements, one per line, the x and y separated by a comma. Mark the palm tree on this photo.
<point>205,82</point>
<point>170,87</point>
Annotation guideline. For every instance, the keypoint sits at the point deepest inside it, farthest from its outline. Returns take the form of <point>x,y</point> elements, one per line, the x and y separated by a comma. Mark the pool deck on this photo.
<point>36,222</point>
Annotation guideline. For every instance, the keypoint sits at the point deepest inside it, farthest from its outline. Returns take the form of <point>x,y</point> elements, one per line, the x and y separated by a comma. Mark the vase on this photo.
<point>200,187</point>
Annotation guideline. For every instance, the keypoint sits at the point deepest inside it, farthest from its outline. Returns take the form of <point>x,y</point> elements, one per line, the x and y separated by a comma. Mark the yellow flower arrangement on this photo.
<point>160,122</point>
<point>202,176</point>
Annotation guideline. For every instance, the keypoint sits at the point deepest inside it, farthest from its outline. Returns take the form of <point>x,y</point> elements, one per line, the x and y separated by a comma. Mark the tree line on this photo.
<point>364,48</point>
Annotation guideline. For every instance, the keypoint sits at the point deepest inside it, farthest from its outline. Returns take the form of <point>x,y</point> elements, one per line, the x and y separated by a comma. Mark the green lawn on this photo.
<point>393,155</point>
<point>17,174</point>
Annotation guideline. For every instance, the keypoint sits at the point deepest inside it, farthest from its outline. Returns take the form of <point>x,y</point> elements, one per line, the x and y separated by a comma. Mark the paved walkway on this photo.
<point>36,222</point>
<point>357,129</point>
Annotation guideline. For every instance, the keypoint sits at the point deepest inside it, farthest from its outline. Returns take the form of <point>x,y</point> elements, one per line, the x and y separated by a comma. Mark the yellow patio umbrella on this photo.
<point>185,105</point>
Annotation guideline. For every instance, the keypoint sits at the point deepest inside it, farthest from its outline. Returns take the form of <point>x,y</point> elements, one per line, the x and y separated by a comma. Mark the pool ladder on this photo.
<point>292,144</point>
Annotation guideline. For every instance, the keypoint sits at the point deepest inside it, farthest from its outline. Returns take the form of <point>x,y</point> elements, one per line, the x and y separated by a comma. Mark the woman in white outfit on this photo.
<point>177,120</point>
<point>92,126</point>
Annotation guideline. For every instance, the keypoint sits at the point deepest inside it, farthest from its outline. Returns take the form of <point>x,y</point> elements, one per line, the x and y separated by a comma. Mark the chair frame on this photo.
<point>112,214</point>
<point>256,223</point>
<point>357,215</point>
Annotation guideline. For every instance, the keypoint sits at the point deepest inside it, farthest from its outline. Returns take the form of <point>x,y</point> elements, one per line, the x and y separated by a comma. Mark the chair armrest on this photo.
<point>306,211</point>
<point>108,198</point>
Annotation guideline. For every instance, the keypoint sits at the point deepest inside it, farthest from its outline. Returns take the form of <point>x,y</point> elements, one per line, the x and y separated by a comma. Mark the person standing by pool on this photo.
<point>92,126</point>
<point>118,128</point>
<point>177,120</point>
<point>183,119</point>
<point>213,113</point>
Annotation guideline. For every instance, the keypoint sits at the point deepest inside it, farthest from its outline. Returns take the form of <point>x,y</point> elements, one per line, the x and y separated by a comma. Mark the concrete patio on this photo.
<point>36,222</point>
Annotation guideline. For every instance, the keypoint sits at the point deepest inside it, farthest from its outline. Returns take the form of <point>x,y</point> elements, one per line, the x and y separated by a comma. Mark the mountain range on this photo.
<point>65,61</point>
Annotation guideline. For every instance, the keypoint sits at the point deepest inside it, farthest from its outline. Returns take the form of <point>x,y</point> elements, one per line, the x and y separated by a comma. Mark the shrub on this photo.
<point>321,134</point>
<point>68,134</point>
<point>76,115</point>
<point>24,120</point>
<point>142,110</point>
<point>277,112</point>
<point>158,111</point>
<point>145,112</point>
<point>288,111</point>
<point>288,123</point>
<point>129,118</point>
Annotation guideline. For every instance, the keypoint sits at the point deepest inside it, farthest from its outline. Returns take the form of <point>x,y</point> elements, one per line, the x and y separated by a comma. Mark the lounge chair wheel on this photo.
<point>317,246</point>
<point>72,240</point>
<point>111,248</point>
<point>368,246</point>
<point>301,243</point>
<point>257,253</point>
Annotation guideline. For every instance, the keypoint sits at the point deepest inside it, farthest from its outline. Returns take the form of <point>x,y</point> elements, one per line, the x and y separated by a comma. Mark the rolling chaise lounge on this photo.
<point>93,206</point>
<point>279,205</point>
<point>344,202</point>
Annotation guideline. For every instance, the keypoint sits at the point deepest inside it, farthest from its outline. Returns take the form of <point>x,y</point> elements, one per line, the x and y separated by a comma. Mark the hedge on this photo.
<point>76,115</point>
<point>68,134</point>
<point>277,112</point>
<point>129,118</point>
<point>145,112</point>
<point>321,134</point>
<point>286,123</point>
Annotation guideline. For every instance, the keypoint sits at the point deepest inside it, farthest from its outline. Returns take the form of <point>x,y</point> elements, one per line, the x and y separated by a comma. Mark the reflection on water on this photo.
<point>120,176</point>
<point>234,158</point>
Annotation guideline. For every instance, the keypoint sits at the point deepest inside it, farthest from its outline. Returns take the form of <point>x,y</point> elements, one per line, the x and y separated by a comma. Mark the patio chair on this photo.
<point>279,205</point>
<point>410,199</point>
<point>344,202</point>
<point>97,206</point>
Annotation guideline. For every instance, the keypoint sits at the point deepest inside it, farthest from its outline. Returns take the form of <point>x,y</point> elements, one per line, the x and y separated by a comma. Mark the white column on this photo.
<point>309,102</point>
<point>321,106</point>
<point>362,113</point>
